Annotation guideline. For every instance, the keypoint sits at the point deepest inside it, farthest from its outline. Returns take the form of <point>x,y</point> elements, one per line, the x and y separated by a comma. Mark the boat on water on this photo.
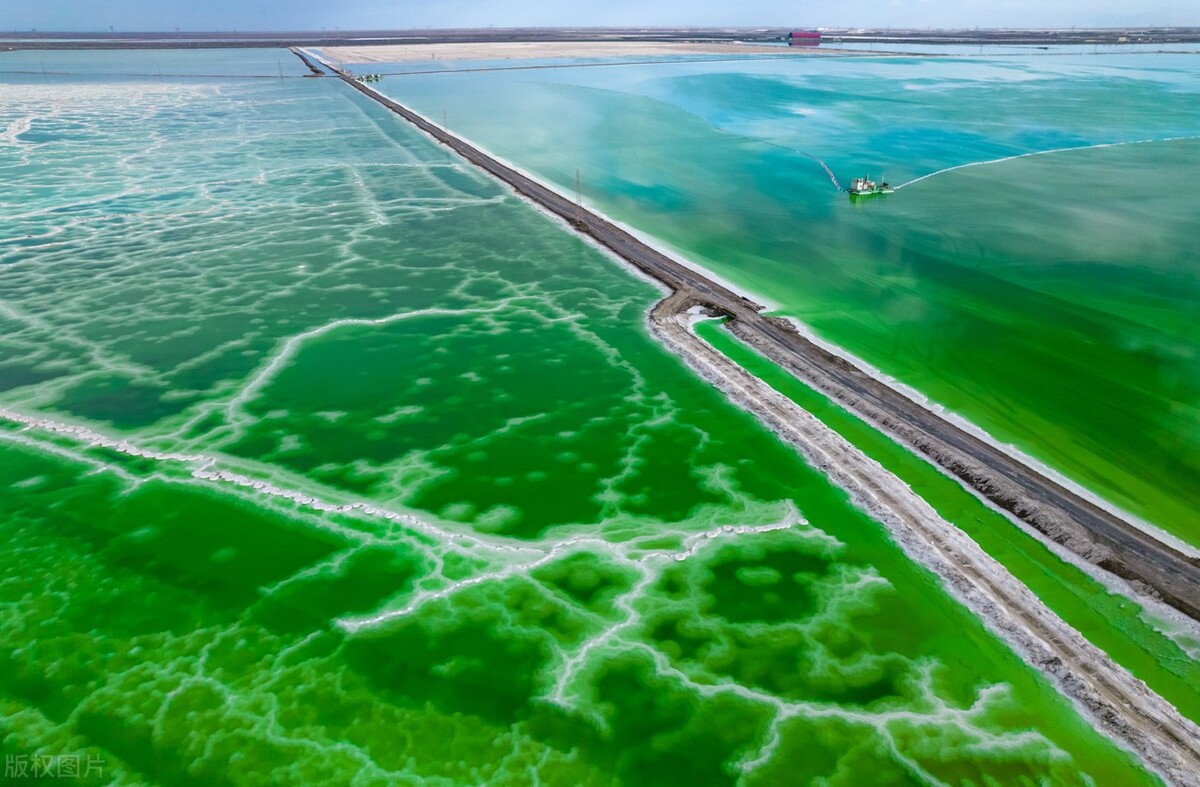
<point>865,187</point>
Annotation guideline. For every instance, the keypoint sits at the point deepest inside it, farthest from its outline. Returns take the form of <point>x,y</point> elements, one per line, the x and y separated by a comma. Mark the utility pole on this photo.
<point>578,196</point>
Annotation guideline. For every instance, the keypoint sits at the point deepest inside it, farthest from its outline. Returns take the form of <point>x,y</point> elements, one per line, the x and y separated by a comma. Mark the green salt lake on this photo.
<point>326,458</point>
<point>1050,299</point>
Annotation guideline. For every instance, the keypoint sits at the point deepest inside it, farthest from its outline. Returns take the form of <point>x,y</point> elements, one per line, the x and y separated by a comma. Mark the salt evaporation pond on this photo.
<point>326,458</point>
<point>1051,299</point>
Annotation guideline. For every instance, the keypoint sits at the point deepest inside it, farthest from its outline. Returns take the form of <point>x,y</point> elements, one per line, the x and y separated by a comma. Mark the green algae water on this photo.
<point>1119,627</point>
<point>1050,299</point>
<point>326,460</point>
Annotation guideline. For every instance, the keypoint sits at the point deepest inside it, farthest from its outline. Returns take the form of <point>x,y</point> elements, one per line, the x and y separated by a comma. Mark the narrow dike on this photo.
<point>1119,704</point>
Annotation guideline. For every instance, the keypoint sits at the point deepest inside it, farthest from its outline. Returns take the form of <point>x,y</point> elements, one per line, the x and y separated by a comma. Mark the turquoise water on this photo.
<point>324,458</point>
<point>1050,299</point>
<point>1022,50</point>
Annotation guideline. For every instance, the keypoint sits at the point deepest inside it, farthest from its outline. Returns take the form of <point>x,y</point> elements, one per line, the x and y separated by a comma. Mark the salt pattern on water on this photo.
<point>331,460</point>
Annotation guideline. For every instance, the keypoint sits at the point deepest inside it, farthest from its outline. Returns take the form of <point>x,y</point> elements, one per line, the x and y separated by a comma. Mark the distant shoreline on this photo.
<point>34,39</point>
<point>545,50</point>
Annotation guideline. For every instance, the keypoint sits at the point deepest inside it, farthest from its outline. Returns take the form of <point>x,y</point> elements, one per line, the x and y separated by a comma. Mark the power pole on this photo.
<point>576,220</point>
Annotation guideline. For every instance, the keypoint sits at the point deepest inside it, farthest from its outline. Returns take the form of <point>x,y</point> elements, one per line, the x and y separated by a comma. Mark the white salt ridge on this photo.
<point>16,128</point>
<point>291,346</point>
<point>205,472</point>
<point>98,440</point>
<point>556,550</point>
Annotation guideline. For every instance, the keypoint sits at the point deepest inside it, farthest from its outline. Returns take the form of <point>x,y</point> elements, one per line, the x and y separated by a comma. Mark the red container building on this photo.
<point>804,38</point>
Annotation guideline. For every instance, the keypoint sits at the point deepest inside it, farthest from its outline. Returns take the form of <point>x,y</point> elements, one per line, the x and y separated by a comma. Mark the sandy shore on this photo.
<point>523,50</point>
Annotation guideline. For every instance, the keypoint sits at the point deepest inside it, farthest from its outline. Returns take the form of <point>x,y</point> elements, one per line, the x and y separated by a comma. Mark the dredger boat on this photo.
<point>865,187</point>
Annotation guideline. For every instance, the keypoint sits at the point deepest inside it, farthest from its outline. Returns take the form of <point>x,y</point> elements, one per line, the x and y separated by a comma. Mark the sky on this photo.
<point>249,15</point>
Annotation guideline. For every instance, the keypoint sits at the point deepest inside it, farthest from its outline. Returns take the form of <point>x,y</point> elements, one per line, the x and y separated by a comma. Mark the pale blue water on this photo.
<point>133,63</point>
